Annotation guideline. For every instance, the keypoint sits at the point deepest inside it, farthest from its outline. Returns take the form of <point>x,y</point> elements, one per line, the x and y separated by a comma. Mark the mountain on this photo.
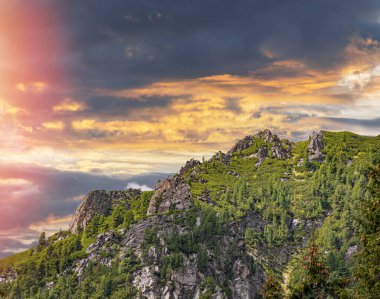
<point>268,219</point>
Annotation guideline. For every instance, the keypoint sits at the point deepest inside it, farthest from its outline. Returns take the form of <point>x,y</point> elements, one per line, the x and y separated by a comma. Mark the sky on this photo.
<point>113,94</point>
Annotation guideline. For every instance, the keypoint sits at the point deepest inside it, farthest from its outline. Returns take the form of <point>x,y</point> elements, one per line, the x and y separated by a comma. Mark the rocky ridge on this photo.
<point>173,195</point>
<point>274,147</point>
<point>173,216</point>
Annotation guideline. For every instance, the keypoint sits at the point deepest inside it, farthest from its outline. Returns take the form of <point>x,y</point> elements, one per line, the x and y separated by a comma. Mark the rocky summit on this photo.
<point>268,219</point>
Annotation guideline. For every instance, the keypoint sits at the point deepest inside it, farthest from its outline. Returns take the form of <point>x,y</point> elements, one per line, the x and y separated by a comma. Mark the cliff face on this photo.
<point>99,202</point>
<point>232,265</point>
<point>170,195</point>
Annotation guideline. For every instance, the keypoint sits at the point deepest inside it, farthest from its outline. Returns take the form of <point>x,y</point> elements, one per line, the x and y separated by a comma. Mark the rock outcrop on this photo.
<point>234,267</point>
<point>170,194</point>
<point>191,164</point>
<point>222,157</point>
<point>315,147</point>
<point>282,150</point>
<point>261,154</point>
<point>268,136</point>
<point>99,202</point>
<point>241,145</point>
<point>279,149</point>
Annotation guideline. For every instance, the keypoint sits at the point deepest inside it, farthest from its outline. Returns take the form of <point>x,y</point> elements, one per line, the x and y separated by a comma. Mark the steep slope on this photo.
<point>235,226</point>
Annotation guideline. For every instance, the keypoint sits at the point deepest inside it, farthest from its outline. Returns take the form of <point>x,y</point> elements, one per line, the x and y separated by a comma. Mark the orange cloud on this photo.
<point>8,109</point>
<point>69,105</point>
<point>35,87</point>
<point>54,125</point>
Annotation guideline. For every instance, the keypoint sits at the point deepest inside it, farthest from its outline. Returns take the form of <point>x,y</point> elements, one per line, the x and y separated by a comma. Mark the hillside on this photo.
<point>270,218</point>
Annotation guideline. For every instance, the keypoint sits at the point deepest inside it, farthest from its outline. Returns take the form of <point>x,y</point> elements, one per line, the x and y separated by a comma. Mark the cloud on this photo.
<point>235,38</point>
<point>10,246</point>
<point>135,185</point>
<point>104,92</point>
<point>35,199</point>
<point>53,125</point>
<point>68,105</point>
<point>372,123</point>
<point>49,192</point>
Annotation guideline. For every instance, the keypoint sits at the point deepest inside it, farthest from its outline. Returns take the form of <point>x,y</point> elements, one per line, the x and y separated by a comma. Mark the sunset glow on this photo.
<point>92,96</point>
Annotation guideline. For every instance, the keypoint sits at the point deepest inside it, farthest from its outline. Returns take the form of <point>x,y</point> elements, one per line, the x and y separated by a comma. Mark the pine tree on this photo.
<point>42,241</point>
<point>368,259</point>
<point>315,282</point>
<point>272,289</point>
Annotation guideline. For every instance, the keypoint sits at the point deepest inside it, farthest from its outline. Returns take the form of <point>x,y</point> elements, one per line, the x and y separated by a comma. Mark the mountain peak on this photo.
<point>227,223</point>
<point>268,136</point>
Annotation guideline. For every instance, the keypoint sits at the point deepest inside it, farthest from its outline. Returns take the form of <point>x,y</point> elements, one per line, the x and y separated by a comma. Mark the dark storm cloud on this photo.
<point>33,193</point>
<point>295,113</point>
<point>367,123</point>
<point>116,107</point>
<point>8,245</point>
<point>129,43</point>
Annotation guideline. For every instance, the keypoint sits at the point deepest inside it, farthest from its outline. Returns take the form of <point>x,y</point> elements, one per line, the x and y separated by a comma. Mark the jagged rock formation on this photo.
<point>261,154</point>
<point>278,149</point>
<point>170,194</point>
<point>222,157</point>
<point>268,136</point>
<point>185,281</point>
<point>102,251</point>
<point>315,147</point>
<point>99,202</point>
<point>191,164</point>
<point>282,150</point>
<point>241,145</point>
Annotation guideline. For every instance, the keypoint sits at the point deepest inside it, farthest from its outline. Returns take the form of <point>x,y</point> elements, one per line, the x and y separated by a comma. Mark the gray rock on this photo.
<point>261,154</point>
<point>351,251</point>
<point>268,136</point>
<point>241,145</point>
<point>234,173</point>
<point>99,202</point>
<point>315,147</point>
<point>191,164</point>
<point>279,152</point>
<point>222,157</point>
<point>103,250</point>
<point>296,222</point>
<point>171,194</point>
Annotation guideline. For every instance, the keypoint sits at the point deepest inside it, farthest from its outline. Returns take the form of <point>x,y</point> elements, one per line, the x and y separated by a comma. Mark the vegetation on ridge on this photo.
<point>315,232</point>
